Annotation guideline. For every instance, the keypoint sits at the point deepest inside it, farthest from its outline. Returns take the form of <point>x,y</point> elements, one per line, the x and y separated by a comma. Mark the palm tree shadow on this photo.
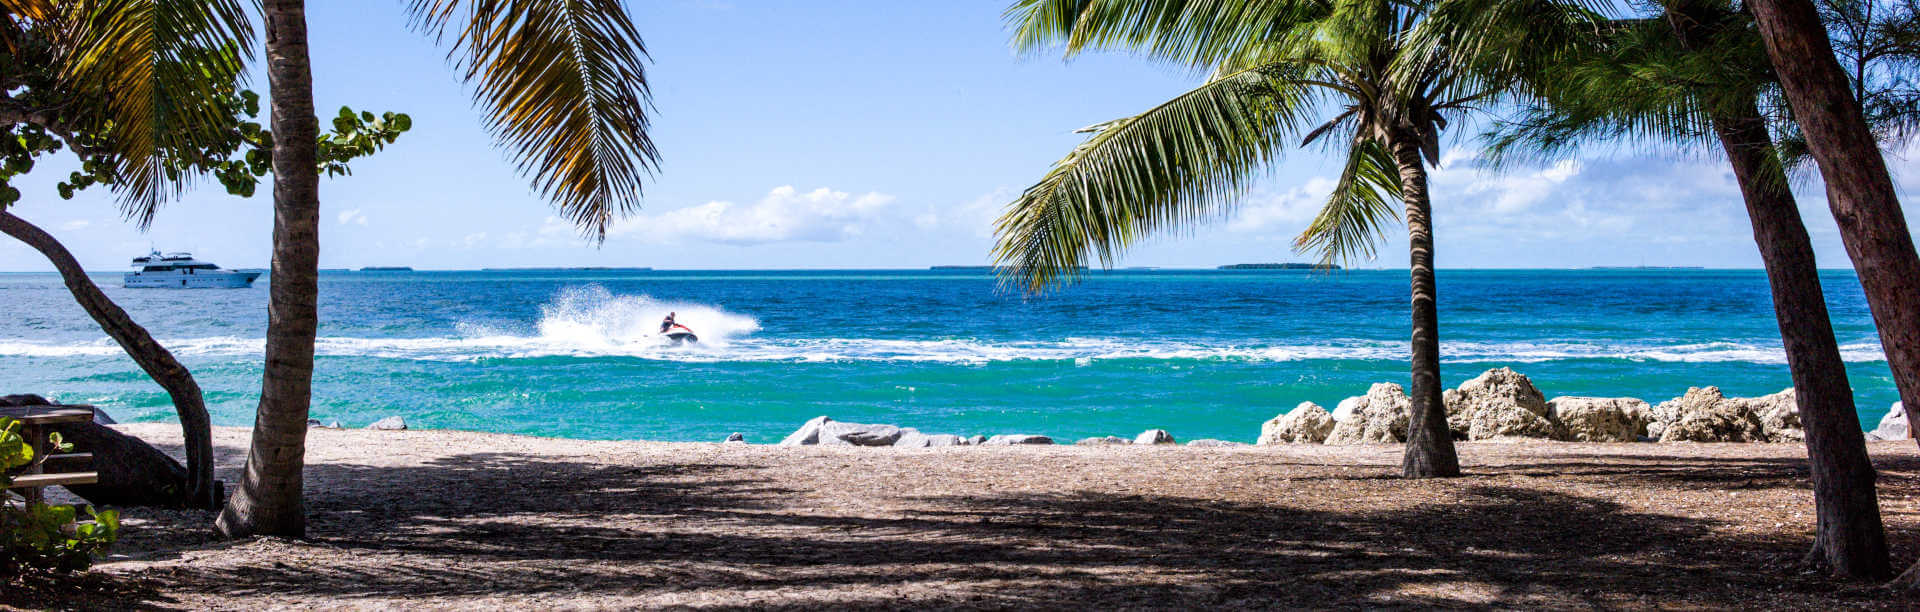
<point>498,526</point>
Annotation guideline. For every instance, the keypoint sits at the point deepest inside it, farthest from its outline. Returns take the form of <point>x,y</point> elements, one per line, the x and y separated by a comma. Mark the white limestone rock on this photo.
<point>1779,416</point>
<point>1499,403</point>
<point>1344,410</point>
<point>392,423</point>
<point>835,433</point>
<point>1893,426</point>
<point>912,438</point>
<point>808,434</point>
<point>1154,436</point>
<point>1379,417</point>
<point>1307,423</point>
<point>1103,441</point>
<point>1599,419</point>
<point>1705,415</point>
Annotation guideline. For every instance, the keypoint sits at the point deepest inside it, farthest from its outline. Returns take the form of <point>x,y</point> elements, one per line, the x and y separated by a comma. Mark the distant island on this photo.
<point>386,269</point>
<point>1279,266</point>
<point>1647,268</point>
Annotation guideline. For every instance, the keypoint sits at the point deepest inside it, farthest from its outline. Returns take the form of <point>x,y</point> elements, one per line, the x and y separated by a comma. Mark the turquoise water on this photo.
<point>1199,353</point>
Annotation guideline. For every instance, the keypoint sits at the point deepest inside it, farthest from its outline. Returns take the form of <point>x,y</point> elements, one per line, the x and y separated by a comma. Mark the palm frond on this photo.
<point>1180,163</point>
<point>1197,33</point>
<point>159,68</point>
<point>565,89</point>
<point>1360,209</point>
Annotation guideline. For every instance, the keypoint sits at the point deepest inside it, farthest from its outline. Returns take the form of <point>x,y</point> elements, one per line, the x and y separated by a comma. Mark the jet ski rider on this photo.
<point>667,324</point>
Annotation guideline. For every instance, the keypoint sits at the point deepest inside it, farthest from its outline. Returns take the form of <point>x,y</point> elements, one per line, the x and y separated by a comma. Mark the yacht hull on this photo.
<point>222,279</point>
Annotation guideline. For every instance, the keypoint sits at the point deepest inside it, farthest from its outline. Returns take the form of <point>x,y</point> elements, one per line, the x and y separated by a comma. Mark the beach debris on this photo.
<point>1705,415</point>
<point>392,423</point>
<point>1499,403</point>
<point>1893,426</point>
<point>1212,443</point>
<point>735,438</point>
<point>1307,423</point>
<point>1379,417</point>
<point>912,438</point>
<point>1600,419</point>
<point>1013,439</point>
<point>1103,441</point>
<point>1154,436</point>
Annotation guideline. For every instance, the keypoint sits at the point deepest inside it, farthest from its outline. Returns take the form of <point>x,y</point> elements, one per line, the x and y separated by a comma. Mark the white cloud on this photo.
<point>473,239</point>
<point>974,217</point>
<point>784,215</point>
<point>75,225</point>
<point>353,216</point>
<point>1283,212</point>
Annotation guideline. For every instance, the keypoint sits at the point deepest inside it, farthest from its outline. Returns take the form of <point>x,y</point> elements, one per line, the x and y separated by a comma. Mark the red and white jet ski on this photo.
<point>680,334</point>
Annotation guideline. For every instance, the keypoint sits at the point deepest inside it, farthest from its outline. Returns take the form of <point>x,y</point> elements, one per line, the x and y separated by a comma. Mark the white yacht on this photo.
<point>182,271</point>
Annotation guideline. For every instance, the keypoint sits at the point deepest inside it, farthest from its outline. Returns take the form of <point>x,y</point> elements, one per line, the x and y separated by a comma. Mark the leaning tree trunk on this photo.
<point>131,471</point>
<point>269,501</point>
<point>1849,539</point>
<point>1859,191</point>
<point>159,364</point>
<point>1429,441</point>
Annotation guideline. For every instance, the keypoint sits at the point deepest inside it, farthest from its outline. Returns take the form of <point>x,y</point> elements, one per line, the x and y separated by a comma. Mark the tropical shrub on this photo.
<point>45,536</point>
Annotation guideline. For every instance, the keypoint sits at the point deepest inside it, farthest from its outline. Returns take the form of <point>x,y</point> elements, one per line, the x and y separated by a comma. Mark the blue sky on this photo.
<point>829,134</point>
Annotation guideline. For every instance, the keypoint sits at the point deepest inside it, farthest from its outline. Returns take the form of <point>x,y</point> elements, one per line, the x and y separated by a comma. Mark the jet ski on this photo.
<point>680,334</point>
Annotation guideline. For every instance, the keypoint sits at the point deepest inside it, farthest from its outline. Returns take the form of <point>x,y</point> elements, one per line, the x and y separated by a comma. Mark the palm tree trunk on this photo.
<point>1429,451</point>
<point>1849,539</point>
<point>1859,190</point>
<point>269,501</point>
<point>195,426</point>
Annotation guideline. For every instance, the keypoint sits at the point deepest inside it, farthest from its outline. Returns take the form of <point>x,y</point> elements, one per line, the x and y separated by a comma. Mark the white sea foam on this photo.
<point>571,337</point>
<point>592,322</point>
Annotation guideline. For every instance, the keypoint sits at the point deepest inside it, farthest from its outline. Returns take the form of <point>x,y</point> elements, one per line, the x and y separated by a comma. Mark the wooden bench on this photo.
<point>33,425</point>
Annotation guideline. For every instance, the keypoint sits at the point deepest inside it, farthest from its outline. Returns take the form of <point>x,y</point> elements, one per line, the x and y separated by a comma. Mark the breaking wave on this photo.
<point>726,337</point>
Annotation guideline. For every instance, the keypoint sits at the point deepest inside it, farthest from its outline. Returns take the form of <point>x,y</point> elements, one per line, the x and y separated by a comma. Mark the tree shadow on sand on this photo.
<point>493,527</point>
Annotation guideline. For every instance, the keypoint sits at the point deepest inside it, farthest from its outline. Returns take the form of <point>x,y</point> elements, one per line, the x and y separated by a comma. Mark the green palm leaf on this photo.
<point>564,86</point>
<point>161,67</point>
<point>1359,211</point>
<point>1199,33</point>
<point>1181,162</point>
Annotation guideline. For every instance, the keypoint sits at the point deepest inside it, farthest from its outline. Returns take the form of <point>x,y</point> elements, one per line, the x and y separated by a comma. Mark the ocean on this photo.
<point>1202,354</point>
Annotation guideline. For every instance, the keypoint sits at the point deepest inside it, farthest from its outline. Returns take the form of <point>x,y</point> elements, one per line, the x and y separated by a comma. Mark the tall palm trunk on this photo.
<point>1859,191</point>
<point>269,501</point>
<point>1429,451</point>
<point>1849,538</point>
<point>195,427</point>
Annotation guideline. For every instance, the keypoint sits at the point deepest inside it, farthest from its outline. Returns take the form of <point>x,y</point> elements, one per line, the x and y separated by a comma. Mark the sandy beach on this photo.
<point>446,519</point>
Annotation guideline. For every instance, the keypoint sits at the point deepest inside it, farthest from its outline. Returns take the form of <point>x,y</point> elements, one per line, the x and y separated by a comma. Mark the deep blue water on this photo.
<point>1199,353</point>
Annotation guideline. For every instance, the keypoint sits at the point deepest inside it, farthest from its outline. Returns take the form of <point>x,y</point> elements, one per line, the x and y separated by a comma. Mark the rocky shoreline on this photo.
<point>1498,405</point>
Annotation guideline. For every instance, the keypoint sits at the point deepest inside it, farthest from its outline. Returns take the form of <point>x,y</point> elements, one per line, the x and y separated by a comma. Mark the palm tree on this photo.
<point>563,85</point>
<point>1859,190</point>
<point>143,109</point>
<point>1691,75</point>
<point>1339,71</point>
